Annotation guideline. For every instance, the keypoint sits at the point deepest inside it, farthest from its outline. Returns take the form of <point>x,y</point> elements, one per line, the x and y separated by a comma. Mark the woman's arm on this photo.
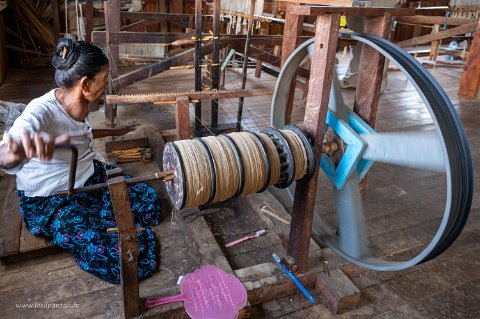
<point>39,144</point>
<point>117,131</point>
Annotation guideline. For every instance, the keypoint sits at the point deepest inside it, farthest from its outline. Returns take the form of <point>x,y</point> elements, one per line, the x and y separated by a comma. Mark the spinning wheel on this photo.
<point>442,149</point>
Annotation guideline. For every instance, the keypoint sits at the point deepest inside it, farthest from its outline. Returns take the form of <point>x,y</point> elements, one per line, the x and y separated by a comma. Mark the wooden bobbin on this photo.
<point>212,169</point>
<point>308,149</point>
<point>241,170</point>
<point>264,154</point>
<point>266,160</point>
<point>177,187</point>
<point>287,162</point>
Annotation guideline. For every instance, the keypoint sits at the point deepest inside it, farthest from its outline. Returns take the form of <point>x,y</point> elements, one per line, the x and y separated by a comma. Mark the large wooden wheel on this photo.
<point>443,148</point>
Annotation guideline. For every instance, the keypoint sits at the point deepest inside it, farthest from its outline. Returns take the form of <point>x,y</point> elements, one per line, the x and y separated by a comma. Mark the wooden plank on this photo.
<point>178,18</point>
<point>10,221</point>
<point>292,30</point>
<point>339,292</point>
<point>182,118</point>
<point>128,247</point>
<point>172,96</point>
<point>123,144</point>
<point>138,37</point>
<point>421,19</point>
<point>470,81</point>
<point>337,3</point>
<point>158,67</point>
<point>323,66</point>
<point>370,71</point>
<point>466,28</point>
<point>319,10</point>
<point>28,242</point>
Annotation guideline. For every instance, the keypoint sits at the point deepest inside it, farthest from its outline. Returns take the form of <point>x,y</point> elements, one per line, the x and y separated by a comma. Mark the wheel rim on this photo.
<point>448,140</point>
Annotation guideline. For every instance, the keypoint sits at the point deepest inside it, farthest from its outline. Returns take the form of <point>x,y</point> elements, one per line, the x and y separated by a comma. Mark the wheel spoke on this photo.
<point>351,219</point>
<point>415,149</point>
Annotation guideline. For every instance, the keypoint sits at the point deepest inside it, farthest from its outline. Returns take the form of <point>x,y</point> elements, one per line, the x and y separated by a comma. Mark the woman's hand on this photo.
<point>39,144</point>
<point>126,128</point>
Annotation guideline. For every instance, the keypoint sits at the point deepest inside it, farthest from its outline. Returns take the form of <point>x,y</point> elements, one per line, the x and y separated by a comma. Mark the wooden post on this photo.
<point>127,233</point>
<point>112,21</point>
<point>251,17</point>
<point>323,66</point>
<point>258,66</point>
<point>89,20</point>
<point>182,118</point>
<point>370,70</point>
<point>3,50</point>
<point>435,44</point>
<point>215,61</point>
<point>370,74</point>
<point>198,62</point>
<point>56,20</point>
<point>470,81</point>
<point>292,30</point>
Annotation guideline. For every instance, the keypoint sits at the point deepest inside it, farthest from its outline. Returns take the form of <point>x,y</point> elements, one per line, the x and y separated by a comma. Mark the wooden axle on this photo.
<point>172,96</point>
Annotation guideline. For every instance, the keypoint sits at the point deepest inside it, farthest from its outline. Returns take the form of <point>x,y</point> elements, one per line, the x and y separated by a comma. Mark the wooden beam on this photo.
<point>337,3</point>
<point>357,11</point>
<point>3,50</point>
<point>182,118</point>
<point>181,19</point>
<point>470,81</point>
<point>435,44</point>
<point>322,68</point>
<point>198,61</point>
<point>292,30</point>
<point>420,19</point>
<point>246,53</point>
<point>215,61</point>
<point>158,67</point>
<point>128,254</point>
<point>172,96</point>
<point>56,20</point>
<point>466,28</point>
<point>138,37</point>
<point>112,23</point>
<point>89,20</point>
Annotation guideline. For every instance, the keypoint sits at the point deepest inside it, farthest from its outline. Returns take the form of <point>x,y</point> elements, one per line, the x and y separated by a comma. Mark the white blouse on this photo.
<point>44,178</point>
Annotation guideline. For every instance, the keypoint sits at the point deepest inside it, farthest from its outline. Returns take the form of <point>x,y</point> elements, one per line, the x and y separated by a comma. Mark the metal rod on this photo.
<point>198,62</point>
<point>134,180</point>
<point>245,63</point>
<point>73,165</point>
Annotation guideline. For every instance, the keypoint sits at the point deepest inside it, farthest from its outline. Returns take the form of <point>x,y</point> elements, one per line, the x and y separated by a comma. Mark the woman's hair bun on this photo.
<point>66,54</point>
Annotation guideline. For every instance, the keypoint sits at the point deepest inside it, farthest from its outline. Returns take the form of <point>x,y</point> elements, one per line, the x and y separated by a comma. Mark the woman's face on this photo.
<point>97,85</point>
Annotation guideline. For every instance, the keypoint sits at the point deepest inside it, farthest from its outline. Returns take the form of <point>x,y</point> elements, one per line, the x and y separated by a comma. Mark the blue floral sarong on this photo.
<point>79,224</point>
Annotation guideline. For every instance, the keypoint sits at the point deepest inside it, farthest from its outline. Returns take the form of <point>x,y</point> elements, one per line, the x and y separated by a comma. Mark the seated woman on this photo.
<point>79,222</point>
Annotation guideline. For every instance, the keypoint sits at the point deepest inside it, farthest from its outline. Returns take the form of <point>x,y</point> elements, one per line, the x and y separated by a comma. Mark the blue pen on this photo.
<point>276,259</point>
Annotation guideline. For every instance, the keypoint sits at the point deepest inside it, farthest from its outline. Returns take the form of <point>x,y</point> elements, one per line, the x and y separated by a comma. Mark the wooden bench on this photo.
<point>16,241</point>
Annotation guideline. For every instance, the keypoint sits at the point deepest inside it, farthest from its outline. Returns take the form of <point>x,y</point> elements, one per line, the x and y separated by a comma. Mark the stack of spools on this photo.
<point>215,168</point>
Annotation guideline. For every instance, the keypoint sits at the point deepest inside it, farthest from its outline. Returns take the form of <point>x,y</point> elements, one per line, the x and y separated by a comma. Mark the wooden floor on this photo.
<point>403,209</point>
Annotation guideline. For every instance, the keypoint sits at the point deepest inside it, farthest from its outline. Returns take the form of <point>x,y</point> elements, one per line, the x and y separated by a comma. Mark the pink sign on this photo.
<point>208,292</point>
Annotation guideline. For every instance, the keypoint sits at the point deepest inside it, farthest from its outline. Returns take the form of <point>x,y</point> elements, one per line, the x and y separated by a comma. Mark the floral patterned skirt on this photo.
<point>79,224</point>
